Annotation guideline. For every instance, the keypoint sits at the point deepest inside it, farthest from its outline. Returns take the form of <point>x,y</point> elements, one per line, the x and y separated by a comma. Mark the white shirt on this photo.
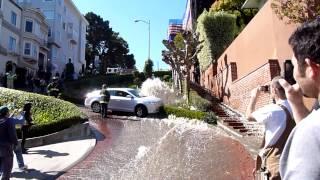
<point>274,119</point>
<point>300,158</point>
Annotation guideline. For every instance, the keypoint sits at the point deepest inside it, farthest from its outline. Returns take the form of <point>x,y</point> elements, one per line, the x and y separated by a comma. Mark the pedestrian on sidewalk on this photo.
<point>300,158</point>
<point>25,128</point>
<point>19,121</point>
<point>278,122</point>
<point>8,140</point>
<point>105,97</point>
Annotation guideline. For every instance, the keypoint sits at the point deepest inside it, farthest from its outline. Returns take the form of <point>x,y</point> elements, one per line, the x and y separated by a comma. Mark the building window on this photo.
<point>12,44</point>
<point>49,14</point>
<point>59,17</point>
<point>64,10</point>
<point>49,32</point>
<point>64,26</point>
<point>0,4</point>
<point>29,26</point>
<point>27,48</point>
<point>34,51</point>
<point>59,35</point>
<point>13,18</point>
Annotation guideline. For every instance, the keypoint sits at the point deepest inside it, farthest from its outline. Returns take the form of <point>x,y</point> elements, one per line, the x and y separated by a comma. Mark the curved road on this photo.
<point>152,149</point>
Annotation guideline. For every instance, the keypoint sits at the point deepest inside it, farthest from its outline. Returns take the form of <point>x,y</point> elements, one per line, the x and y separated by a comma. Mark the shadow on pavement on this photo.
<point>47,153</point>
<point>36,174</point>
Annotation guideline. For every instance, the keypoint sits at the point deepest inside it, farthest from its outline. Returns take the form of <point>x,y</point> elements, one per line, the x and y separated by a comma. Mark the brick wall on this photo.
<point>237,93</point>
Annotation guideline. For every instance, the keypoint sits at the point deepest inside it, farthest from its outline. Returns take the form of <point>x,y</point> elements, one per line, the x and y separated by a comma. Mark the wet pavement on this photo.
<point>159,149</point>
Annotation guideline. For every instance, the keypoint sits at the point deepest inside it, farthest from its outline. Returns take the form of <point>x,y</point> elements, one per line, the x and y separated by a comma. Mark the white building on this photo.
<point>67,32</point>
<point>10,30</point>
<point>34,40</point>
<point>23,40</point>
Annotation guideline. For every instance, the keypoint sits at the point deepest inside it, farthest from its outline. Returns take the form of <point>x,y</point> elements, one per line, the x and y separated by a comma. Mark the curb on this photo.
<point>79,131</point>
<point>93,143</point>
<point>229,130</point>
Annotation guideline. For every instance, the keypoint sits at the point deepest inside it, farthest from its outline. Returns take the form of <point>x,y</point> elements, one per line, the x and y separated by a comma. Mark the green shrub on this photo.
<point>160,74</point>
<point>211,118</point>
<point>75,91</point>
<point>166,78</point>
<point>182,112</point>
<point>217,30</point>
<point>49,114</point>
<point>199,103</point>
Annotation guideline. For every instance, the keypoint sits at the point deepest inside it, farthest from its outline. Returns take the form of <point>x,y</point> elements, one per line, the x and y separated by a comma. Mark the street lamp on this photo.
<point>146,22</point>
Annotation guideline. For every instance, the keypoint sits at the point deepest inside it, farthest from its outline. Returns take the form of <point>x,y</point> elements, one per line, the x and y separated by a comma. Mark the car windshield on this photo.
<point>135,93</point>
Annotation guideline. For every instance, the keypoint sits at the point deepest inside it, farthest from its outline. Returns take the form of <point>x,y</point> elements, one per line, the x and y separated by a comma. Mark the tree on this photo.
<point>148,68</point>
<point>244,16</point>
<point>181,55</point>
<point>102,41</point>
<point>98,36</point>
<point>297,11</point>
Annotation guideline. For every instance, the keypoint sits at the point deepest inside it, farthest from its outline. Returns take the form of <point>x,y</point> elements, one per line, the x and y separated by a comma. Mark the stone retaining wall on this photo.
<point>80,131</point>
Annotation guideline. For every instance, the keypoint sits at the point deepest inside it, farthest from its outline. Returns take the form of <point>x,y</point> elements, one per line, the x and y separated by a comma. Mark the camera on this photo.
<point>265,88</point>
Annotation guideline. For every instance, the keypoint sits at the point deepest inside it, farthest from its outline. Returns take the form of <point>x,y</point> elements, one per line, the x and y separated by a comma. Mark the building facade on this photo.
<point>67,32</point>
<point>34,41</point>
<point>10,30</point>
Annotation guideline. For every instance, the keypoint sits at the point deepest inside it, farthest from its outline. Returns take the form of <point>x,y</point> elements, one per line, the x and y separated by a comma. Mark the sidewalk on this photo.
<point>50,161</point>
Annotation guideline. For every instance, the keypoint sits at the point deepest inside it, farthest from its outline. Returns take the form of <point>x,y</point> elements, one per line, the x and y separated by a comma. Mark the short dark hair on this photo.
<point>305,42</point>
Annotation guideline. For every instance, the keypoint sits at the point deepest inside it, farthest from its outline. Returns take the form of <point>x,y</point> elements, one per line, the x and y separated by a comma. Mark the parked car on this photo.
<point>125,100</point>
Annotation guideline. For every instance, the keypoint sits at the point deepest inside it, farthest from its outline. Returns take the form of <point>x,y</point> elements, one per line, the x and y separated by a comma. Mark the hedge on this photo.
<point>160,74</point>
<point>208,117</point>
<point>217,30</point>
<point>97,81</point>
<point>182,112</point>
<point>49,114</point>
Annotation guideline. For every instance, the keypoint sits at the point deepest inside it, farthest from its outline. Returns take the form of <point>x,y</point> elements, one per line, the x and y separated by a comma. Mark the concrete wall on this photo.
<point>245,63</point>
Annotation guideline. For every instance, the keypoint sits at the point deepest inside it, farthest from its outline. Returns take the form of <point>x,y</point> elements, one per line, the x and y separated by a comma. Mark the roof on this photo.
<point>124,89</point>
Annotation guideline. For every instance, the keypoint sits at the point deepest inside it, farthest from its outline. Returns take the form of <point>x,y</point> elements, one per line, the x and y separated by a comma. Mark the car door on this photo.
<point>112,102</point>
<point>123,102</point>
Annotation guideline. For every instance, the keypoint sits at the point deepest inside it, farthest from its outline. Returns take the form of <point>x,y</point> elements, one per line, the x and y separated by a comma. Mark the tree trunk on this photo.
<point>187,88</point>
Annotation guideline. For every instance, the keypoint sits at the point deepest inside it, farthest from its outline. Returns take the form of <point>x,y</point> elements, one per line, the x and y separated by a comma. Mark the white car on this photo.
<point>125,100</point>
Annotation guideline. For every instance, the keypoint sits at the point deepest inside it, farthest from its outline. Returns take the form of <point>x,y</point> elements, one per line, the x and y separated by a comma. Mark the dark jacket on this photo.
<point>8,137</point>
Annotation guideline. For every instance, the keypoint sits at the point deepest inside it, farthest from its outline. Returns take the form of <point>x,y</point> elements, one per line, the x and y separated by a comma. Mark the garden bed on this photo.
<point>49,114</point>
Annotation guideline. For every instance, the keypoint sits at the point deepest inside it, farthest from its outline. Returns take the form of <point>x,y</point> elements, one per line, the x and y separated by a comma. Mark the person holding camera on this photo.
<point>278,122</point>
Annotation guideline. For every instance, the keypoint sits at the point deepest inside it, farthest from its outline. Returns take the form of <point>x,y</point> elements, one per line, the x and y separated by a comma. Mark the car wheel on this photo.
<point>141,111</point>
<point>96,107</point>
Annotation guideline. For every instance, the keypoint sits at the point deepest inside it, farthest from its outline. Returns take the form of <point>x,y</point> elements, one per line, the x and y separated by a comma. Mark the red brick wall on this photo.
<point>237,93</point>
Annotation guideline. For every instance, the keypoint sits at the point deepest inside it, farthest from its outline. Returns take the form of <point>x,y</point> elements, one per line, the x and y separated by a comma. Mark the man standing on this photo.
<point>105,97</point>
<point>300,158</point>
<point>54,88</point>
<point>278,123</point>
<point>8,139</point>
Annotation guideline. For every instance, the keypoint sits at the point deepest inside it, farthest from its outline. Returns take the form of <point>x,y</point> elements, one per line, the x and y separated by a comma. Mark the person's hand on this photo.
<point>293,92</point>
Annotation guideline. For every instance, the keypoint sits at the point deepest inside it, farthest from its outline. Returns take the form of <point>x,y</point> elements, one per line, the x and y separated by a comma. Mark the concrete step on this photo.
<point>235,124</point>
<point>243,130</point>
<point>239,127</point>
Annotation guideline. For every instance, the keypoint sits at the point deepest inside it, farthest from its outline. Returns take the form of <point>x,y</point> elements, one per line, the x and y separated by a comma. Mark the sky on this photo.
<point>121,15</point>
